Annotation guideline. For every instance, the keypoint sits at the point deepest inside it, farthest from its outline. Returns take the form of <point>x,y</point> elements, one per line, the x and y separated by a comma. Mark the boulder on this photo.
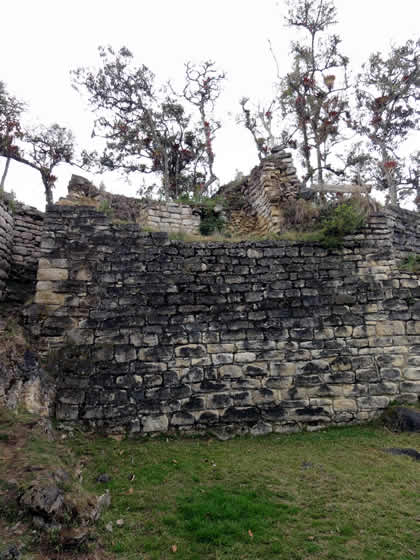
<point>404,451</point>
<point>402,419</point>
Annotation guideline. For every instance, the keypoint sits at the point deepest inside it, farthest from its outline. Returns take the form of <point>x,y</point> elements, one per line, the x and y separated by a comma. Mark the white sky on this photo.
<point>41,41</point>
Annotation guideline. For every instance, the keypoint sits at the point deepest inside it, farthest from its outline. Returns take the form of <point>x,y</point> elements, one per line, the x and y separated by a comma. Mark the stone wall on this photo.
<point>6,233</point>
<point>159,216</point>
<point>20,239</point>
<point>151,335</point>
<point>406,232</point>
<point>27,229</point>
<point>170,217</point>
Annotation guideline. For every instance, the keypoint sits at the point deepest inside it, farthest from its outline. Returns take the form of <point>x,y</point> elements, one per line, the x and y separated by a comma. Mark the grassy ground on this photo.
<point>327,495</point>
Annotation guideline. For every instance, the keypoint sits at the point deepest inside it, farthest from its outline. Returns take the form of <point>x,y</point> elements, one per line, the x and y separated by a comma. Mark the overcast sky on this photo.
<point>41,41</point>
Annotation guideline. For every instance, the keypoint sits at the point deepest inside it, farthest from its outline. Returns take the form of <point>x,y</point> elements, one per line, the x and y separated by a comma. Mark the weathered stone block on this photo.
<point>412,374</point>
<point>283,369</point>
<point>49,298</point>
<point>155,423</point>
<point>231,371</point>
<point>223,358</point>
<point>373,403</point>
<point>261,429</point>
<point>125,354</point>
<point>235,414</point>
<point>53,274</point>
<point>182,419</point>
<point>190,351</point>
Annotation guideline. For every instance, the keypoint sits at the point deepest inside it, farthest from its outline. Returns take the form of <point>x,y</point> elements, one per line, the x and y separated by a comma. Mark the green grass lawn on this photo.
<point>327,495</point>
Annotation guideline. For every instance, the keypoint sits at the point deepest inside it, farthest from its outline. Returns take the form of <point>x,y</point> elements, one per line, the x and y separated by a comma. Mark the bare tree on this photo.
<point>42,148</point>
<point>202,89</point>
<point>314,93</point>
<point>47,147</point>
<point>388,97</point>
<point>10,128</point>
<point>265,125</point>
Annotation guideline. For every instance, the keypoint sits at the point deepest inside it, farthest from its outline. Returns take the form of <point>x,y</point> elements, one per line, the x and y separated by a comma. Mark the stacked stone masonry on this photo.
<point>27,230</point>
<point>20,238</point>
<point>6,233</point>
<point>151,335</point>
<point>261,195</point>
<point>159,216</point>
<point>170,217</point>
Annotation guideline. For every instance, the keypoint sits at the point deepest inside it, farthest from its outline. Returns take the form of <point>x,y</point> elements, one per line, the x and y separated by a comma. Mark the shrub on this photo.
<point>300,214</point>
<point>105,208</point>
<point>341,220</point>
<point>210,222</point>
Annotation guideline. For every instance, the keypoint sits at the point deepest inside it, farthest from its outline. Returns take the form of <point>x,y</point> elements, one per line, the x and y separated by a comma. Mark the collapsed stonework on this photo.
<point>25,384</point>
<point>256,201</point>
<point>155,215</point>
<point>147,334</point>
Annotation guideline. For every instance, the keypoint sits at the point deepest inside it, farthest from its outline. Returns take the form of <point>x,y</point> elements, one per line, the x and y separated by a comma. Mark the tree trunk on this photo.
<point>392,187</point>
<point>48,191</point>
<point>319,163</point>
<point>3,179</point>
<point>306,154</point>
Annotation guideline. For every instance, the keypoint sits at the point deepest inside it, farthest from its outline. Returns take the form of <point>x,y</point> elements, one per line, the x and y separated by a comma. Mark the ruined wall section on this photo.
<point>151,335</point>
<point>257,200</point>
<point>169,217</point>
<point>159,216</point>
<point>406,232</point>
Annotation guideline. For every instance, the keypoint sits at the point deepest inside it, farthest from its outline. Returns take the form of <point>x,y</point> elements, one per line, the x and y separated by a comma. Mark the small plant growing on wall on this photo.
<point>211,222</point>
<point>339,221</point>
<point>105,208</point>
<point>411,264</point>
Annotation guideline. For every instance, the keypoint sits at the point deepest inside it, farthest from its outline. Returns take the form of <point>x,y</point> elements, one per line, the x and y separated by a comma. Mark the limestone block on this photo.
<point>414,361</point>
<point>125,354</point>
<point>383,388</point>
<point>222,358</point>
<point>155,423</point>
<point>191,351</point>
<point>182,419</point>
<point>261,429</point>
<point>219,401</point>
<point>343,332</point>
<point>84,274</point>
<point>413,327</point>
<point>44,286</point>
<point>282,369</point>
<point>266,396</point>
<point>368,403</point>
<point>49,298</point>
<point>412,374</point>
<point>53,274</point>
<point>243,357</point>
<point>230,371</point>
<point>220,348</point>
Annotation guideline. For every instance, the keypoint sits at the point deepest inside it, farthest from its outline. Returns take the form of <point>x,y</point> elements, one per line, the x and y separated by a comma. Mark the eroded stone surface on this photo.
<point>155,335</point>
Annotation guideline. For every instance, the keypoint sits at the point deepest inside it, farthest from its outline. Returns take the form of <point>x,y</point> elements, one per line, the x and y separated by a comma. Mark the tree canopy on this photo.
<point>146,127</point>
<point>343,127</point>
<point>41,148</point>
